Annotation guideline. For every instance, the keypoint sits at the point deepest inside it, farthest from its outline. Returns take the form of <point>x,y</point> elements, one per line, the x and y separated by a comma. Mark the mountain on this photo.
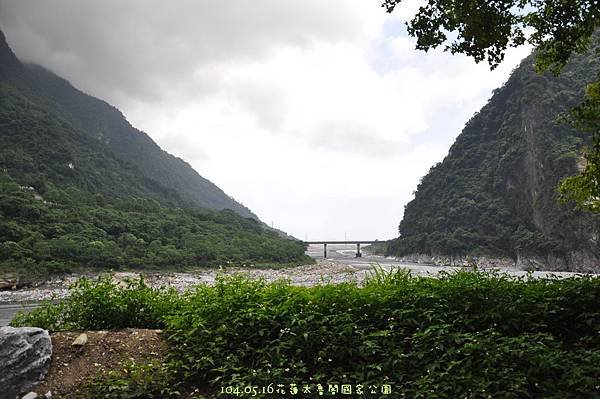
<point>495,193</point>
<point>51,130</point>
<point>81,189</point>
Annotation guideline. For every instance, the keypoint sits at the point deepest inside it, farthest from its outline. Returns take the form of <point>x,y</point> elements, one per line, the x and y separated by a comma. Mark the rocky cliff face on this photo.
<point>495,192</point>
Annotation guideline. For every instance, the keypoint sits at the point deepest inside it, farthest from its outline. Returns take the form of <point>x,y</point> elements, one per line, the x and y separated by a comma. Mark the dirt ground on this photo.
<point>105,350</point>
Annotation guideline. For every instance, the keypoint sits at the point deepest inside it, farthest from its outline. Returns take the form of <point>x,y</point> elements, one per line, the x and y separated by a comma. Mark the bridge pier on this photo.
<point>358,254</point>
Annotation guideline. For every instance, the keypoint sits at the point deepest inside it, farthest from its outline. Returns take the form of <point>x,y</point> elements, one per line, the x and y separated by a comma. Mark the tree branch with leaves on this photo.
<point>485,29</point>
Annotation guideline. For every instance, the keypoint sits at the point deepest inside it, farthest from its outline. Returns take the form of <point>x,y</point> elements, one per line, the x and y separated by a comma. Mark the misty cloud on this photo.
<point>357,139</point>
<point>185,146</point>
<point>146,49</point>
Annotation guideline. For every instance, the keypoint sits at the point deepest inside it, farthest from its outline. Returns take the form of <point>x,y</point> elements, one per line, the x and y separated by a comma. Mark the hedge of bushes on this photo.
<point>469,334</point>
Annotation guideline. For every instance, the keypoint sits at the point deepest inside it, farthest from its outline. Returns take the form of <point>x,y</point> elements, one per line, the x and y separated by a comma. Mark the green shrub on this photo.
<point>105,304</point>
<point>50,315</point>
<point>140,381</point>
<point>463,335</point>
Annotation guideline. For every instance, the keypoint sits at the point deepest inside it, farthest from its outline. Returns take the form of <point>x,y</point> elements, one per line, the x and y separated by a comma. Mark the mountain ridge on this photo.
<point>100,121</point>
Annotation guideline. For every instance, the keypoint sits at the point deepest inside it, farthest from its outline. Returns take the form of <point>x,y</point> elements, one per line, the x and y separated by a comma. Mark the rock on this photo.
<point>24,358</point>
<point>48,395</point>
<point>30,395</point>
<point>8,283</point>
<point>80,340</point>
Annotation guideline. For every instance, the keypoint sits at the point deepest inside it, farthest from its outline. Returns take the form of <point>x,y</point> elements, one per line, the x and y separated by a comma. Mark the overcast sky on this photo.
<point>317,115</point>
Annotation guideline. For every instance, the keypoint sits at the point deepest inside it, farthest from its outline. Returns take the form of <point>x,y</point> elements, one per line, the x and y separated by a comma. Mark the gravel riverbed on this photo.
<point>321,272</point>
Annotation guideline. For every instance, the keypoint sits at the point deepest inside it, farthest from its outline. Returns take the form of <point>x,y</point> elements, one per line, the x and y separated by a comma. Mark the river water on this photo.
<point>346,254</point>
<point>7,311</point>
<point>341,265</point>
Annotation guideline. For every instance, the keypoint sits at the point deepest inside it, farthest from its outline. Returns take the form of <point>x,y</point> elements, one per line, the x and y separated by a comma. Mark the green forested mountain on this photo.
<point>495,192</point>
<point>50,129</point>
<point>81,188</point>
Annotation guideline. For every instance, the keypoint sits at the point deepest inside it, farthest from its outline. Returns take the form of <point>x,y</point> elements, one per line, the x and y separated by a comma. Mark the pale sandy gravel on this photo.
<point>322,272</point>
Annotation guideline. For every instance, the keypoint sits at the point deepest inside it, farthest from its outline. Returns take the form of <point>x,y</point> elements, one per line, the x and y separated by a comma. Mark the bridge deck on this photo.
<point>342,242</point>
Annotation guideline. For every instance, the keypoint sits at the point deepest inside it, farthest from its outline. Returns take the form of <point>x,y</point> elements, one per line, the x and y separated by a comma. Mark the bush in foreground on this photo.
<point>105,304</point>
<point>467,334</point>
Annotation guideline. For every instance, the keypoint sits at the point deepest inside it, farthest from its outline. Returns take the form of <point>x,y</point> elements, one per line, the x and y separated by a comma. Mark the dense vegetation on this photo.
<point>495,192</point>
<point>64,229</point>
<point>380,248</point>
<point>467,335</point>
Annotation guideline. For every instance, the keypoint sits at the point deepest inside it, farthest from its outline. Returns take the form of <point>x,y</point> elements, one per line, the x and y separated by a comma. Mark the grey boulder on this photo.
<point>25,355</point>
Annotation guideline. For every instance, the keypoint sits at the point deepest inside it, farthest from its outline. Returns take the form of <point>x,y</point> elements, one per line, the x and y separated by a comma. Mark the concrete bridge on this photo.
<point>324,243</point>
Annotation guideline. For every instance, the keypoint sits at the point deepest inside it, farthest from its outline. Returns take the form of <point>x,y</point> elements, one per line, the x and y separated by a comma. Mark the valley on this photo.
<point>131,268</point>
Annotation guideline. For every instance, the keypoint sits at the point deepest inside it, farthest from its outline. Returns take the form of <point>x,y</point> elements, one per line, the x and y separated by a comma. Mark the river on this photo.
<point>340,265</point>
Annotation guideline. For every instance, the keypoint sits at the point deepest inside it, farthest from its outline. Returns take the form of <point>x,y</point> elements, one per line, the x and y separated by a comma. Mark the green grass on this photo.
<point>469,334</point>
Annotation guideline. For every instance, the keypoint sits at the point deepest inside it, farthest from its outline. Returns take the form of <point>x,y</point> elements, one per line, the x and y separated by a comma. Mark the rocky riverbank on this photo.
<point>322,271</point>
<point>574,263</point>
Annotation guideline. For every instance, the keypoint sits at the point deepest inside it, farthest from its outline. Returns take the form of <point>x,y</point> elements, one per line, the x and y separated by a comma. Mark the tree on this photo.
<point>485,29</point>
<point>584,188</point>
